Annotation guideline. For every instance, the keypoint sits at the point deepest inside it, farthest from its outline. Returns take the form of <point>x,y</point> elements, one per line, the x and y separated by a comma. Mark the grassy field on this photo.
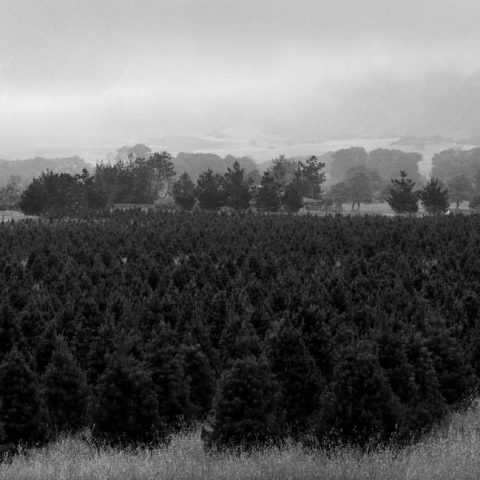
<point>453,452</point>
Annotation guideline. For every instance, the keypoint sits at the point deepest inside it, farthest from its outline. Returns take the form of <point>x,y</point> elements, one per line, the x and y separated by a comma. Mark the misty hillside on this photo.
<point>444,103</point>
<point>33,167</point>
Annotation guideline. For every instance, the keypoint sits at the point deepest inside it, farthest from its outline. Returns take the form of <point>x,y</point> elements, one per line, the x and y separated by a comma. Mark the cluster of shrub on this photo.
<point>266,327</point>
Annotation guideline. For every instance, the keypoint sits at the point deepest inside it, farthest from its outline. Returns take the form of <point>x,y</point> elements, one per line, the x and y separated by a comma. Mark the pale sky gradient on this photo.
<point>94,71</point>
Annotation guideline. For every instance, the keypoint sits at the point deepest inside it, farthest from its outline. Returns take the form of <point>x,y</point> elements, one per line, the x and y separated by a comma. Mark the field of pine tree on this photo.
<point>355,332</point>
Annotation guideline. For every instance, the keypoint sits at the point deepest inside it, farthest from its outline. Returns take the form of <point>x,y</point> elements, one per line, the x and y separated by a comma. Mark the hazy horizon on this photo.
<point>89,74</point>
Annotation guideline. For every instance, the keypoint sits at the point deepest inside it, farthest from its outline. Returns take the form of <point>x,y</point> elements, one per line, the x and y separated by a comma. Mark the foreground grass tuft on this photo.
<point>450,453</point>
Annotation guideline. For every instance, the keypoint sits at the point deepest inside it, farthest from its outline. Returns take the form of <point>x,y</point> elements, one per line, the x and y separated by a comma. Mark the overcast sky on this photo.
<point>90,70</point>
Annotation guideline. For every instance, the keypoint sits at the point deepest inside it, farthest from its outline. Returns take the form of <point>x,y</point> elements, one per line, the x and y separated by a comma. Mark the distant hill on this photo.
<point>196,163</point>
<point>33,167</point>
<point>181,143</point>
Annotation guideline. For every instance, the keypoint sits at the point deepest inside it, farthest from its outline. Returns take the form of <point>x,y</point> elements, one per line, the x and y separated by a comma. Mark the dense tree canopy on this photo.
<point>133,323</point>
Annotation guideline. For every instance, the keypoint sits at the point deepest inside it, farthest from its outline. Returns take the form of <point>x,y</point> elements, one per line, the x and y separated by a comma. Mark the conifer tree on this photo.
<point>269,193</point>
<point>238,339</point>
<point>200,379</point>
<point>402,198</point>
<point>210,190</point>
<point>292,198</point>
<point>296,373</point>
<point>65,390</point>
<point>434,197</point>
<point>126,407</point>
<point>10,333</point>
<point>22,412</point>
<point>184,192</point>
<point>426,404</point>
<point>237,187</point>
<point>170,385</point>
<point>361,405</point>
<point>246,406</point>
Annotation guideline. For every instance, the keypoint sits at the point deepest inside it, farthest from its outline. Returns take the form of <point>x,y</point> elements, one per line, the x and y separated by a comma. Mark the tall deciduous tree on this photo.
<point>460,189</point>
<point>359,186</point>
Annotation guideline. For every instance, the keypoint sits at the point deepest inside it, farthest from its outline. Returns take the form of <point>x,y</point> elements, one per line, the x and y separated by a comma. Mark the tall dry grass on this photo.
<point>452,452</point>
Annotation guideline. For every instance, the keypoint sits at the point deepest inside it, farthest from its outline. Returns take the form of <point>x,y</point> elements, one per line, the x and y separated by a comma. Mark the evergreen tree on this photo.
<point>10,333</point>
<point>434,197</point>
<point>361,405</point>
<point>34,198</point>
<point>184,192</point>
<point>237,188</point>
<point>402,198</point>
<point>238,339</point>
<point>200,379</point>
<point>22,412</point>
<point>246,406</point>
<point>268,195</point>
<point>210,190</point>
<point>292,198</point>
<point>170,384</point>
<point>65,390</point>
<point>426,405</point>
<point>296,373</point>
<point>126,408</point>
<point>311,177</point>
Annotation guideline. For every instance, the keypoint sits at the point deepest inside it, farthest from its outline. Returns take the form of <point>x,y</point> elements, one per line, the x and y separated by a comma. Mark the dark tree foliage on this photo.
<point>237,187</point>
<point>65,390</point>
<point>292,198</point>
<point>297,375</point>
<point>22,412</point>
<point>434,197</point>
<point>126,405</point>
<point>170,383</point>
<point>361,404</point>
<point>246,407</point>
<point>402,198</point>
<point>184,192</point>
<point>200,379</point>
<point>309,177</point>
<point>269,193</point>
<point>365,327</point>
<point>210,190</point>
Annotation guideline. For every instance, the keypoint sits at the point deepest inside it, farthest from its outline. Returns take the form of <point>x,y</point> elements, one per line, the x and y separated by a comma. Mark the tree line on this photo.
<point>261,327</point>
<point>143,181</point>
